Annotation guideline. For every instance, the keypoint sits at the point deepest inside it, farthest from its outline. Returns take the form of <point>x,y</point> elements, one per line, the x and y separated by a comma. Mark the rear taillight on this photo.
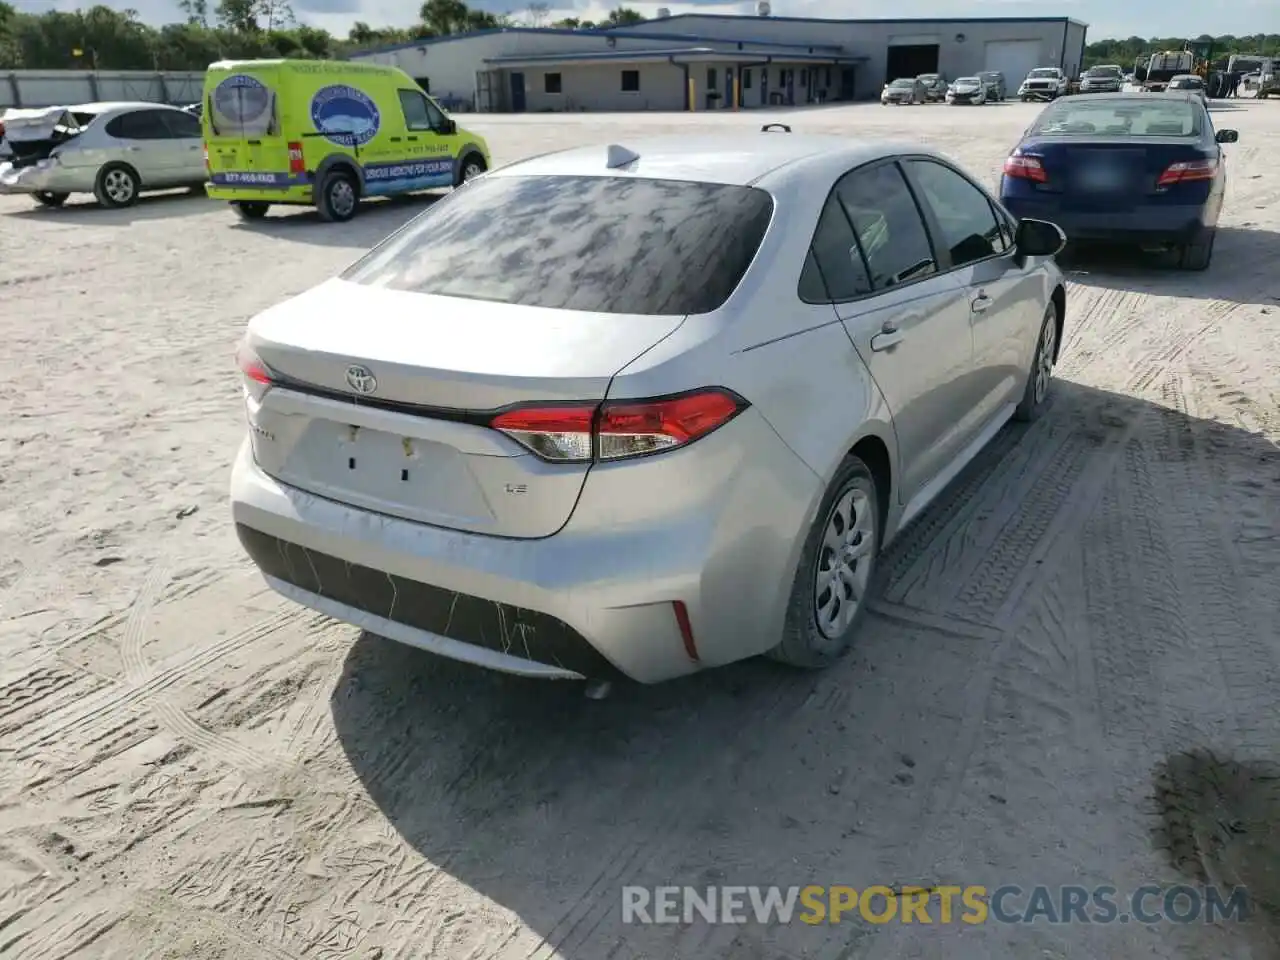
<point>1025,168</point>
<point>257,376</point>
<point>206,157</point>
<point>1187,171</point>
<point>296,163</point>
<point>618,429</point>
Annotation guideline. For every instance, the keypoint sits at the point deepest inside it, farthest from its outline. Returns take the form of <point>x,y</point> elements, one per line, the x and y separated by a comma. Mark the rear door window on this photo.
<point>140,125</point>
<point>888,226</point>
<point>241,106</point>
<point>182,125</point>
<point>603,244</point>
<point>834,270</point>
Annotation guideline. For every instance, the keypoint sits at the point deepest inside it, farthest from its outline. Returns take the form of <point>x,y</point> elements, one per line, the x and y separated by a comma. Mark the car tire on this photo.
<point>116,186</point>
<point>472,166</point>
<point>251,209</point>
<point>819,629</point>
<point>337,197</point>
<point>47,198</point>
<point>1036,395</point>
<point>1197,254</point>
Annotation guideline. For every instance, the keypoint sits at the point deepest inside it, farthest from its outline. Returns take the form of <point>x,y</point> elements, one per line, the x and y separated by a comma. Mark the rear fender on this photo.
<point>336,160</point>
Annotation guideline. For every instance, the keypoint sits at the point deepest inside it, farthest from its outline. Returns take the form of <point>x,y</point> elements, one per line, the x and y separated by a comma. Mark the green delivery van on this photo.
<point>327,133</point>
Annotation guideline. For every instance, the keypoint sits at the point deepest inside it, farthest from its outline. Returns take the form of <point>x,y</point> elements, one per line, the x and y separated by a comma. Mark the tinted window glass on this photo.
<point>969,228</point>
<point>1130,117</point>
<point>182,125</point>
<point>887,224</point>
<point>834,270</point>
<point>139,125</point>
<point>435,115</point>
<point>414,106</point>
<point>606,244</point>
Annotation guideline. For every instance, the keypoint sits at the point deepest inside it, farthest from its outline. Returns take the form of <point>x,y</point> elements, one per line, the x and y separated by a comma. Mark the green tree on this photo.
<point>621,17</point>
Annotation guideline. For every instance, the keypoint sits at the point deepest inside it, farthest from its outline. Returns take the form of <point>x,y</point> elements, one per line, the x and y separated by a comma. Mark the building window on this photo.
<point>551,83</point>
<point>804,78</point>
<point>711,78</point>
<point>746,78</point>
<point>630,81</point>
<point>826,76</point>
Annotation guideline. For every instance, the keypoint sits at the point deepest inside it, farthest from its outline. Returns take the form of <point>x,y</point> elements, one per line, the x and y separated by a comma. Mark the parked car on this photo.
<point>1104,78</point>
<point>1191,84</point>
<point>967,90</point>
<point>935,86</point>
<point>995,84</point>
<point>1044,83</point>
<point>326,133</point>
<point>903,90</point>
<point>550,448</point>
<point>115,151</point>
<point>1142,167</point>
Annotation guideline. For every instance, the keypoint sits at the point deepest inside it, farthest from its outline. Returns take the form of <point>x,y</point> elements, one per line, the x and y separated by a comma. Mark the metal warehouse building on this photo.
<point>705,61</point>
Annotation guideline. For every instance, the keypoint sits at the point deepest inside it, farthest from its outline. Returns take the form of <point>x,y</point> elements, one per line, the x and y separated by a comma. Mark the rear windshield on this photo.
<point>241,106</point>
<point>1131,117</point>
<point>602,244</point>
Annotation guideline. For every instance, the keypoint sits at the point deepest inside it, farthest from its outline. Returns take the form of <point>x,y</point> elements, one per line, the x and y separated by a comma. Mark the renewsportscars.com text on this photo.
<point>1010,904</point>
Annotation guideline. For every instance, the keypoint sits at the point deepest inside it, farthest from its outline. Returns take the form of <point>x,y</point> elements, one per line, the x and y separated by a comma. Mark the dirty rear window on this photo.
<point>1131,117</point>
<point>241,106</point>
<point>601,244</point>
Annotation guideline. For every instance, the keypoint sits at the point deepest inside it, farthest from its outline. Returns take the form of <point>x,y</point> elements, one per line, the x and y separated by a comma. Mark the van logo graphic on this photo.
<point>346,116</point>
<point>361,379</point>
<point>241,99</point>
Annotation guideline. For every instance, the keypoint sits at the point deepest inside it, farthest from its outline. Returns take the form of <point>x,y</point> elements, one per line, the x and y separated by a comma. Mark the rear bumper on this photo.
<point>294,194</point>
<point>1151,224</point>
<point>43,179</point>
<point>595,597</point>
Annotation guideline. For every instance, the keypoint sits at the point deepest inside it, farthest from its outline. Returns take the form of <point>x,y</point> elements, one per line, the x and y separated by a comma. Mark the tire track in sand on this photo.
<point>229,750</point>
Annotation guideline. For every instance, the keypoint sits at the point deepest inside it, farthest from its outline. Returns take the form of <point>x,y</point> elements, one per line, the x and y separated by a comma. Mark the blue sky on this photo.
<point>1106,18</point>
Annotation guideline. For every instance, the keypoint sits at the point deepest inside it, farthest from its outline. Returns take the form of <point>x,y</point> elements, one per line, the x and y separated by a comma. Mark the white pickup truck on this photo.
<point>1044,83</point>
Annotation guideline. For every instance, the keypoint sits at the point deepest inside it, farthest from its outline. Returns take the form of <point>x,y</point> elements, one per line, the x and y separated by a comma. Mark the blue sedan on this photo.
<point>1138,168</point>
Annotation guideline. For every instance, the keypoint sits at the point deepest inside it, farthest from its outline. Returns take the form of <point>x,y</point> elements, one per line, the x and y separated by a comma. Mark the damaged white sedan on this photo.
<point>113,150</point>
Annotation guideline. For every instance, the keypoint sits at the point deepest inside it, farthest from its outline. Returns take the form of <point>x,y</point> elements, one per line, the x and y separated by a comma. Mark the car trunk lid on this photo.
<point>417,444</point>
<point>33,135</point>
<point>1107,175</point>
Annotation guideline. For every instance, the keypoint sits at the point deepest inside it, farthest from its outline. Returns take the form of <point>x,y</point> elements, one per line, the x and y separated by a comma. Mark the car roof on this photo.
<point>740,159</point>
<point>104,106</point>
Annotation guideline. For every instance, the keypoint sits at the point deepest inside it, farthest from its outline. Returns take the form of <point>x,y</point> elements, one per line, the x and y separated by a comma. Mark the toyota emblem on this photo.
<point>361,379</point>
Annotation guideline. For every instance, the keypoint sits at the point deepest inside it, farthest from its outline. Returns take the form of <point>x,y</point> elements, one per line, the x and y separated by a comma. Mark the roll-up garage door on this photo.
<point>1015,59</point>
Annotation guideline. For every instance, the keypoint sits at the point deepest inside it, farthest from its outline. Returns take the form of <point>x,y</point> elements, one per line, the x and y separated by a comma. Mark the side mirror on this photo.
<point>1227,136</point>
<point>1039,238</point>
<point>448,127</point>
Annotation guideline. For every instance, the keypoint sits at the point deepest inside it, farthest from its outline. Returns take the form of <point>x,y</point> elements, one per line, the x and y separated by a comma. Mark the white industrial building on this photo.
<point>705,61</point>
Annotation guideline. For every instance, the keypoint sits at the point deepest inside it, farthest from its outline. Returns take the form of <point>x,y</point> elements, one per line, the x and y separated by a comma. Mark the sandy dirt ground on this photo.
<point>1072,673</point>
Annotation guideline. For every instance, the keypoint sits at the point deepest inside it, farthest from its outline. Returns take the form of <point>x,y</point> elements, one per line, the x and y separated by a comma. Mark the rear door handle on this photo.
<point>981,303</point>
<point>888,337</point>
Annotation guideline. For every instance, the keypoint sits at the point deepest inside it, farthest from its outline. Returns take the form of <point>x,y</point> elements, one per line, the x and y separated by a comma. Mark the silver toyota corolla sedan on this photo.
<point>112,150</point>
<point>642,409</point>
